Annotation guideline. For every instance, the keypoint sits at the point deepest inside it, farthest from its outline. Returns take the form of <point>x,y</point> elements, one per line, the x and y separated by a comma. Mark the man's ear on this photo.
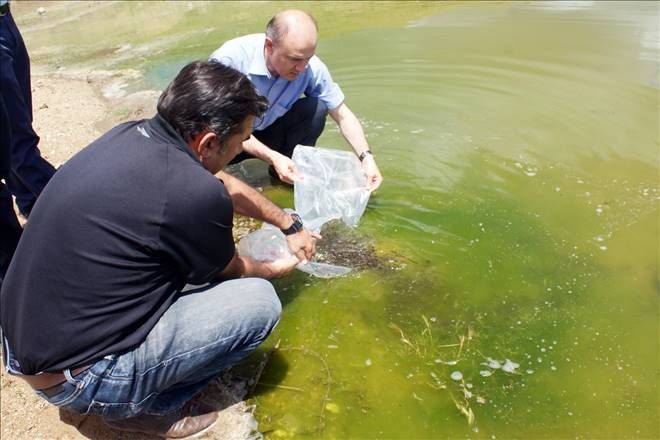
<point>203,144</point>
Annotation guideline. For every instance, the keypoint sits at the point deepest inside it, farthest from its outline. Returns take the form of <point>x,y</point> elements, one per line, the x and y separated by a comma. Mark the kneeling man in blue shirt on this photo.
<point>283,67</point>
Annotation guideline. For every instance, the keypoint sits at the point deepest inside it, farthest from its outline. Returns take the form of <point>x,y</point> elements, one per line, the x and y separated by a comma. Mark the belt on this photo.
<point>4,9</point>
<point>50,383</point>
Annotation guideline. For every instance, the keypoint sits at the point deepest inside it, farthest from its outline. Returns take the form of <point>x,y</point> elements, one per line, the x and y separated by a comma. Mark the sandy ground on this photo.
<point>69,113</point>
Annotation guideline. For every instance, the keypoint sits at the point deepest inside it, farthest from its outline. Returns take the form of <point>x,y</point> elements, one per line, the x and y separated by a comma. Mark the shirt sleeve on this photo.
<point>322,86</point>
<point>227,54</point>
<point>196,232</point>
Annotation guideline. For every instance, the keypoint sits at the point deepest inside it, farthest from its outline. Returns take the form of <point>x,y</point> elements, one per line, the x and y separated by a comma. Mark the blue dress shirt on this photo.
<point>246,54</point>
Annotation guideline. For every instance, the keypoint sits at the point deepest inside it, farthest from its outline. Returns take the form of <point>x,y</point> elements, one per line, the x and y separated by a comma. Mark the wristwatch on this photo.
<point>364,154</point>
<point>295,227</point>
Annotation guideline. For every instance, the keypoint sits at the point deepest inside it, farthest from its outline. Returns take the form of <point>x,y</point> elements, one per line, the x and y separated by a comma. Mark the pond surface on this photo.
<point>518,221</point>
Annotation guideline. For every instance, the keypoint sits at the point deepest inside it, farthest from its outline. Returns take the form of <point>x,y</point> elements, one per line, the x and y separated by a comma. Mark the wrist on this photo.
<point>268,154</point>
<point>365,154</point>
<point>254,268</point>
<point>294,226</point>
<point>259,150</point>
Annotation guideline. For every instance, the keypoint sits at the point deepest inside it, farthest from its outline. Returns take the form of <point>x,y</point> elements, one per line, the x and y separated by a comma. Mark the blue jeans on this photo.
<point>205,331</point>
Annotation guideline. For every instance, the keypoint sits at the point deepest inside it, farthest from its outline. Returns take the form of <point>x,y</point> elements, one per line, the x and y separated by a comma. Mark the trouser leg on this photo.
<point>302,124</point>
<point>29,171</point>
<point>205,331</point>
<point>10,229</point>
<point>242,314</point>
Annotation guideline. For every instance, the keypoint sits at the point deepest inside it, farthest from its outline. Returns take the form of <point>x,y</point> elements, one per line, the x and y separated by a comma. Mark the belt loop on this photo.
<point>70,379</point>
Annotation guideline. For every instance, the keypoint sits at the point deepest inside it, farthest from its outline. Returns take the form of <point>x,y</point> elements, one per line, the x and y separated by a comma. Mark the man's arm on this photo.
<point>249,202</point>
<point>351,130</point>
<point>283,165</point>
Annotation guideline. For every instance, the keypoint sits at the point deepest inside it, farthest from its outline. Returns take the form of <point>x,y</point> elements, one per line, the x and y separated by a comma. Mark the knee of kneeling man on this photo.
<point>266,298</point>
<point>321,107</point>
<point>312,105</point>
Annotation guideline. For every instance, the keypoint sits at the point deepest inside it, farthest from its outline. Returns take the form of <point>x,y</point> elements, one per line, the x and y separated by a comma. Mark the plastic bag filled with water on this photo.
<point>334,186</point>
<point>265,244</point>
<point>269,244</point>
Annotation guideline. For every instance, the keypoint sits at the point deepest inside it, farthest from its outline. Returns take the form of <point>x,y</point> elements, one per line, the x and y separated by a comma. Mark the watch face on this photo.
<point>295,227</point>
<point>297,222</point>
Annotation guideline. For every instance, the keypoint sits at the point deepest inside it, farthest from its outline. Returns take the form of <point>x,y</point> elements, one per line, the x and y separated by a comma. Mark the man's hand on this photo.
<point>303,244</point>
<point>278,268</point>
<point>285,168</point>
<point>374,178</point>
<point>241,267</point>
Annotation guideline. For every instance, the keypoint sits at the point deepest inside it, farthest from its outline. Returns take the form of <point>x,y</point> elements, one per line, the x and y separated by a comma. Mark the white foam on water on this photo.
<point>456,375</point>
<point>492,363</point>
<point>510,366</point>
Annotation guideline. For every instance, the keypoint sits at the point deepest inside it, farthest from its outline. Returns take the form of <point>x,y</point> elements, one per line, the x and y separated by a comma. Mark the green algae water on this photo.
<point>517,224</point>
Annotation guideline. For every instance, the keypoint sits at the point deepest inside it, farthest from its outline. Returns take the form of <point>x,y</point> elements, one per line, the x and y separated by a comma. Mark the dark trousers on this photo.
<point>302,124</point>
<point>29,172</point>
<point>10,229</point>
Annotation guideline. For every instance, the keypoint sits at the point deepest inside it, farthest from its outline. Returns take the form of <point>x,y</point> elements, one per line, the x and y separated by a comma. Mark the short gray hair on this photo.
<point>277,27</point>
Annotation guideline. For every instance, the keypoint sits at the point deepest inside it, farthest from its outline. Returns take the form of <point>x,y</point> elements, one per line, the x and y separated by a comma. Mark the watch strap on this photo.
<point>364,154</point>
<point>296,226</point>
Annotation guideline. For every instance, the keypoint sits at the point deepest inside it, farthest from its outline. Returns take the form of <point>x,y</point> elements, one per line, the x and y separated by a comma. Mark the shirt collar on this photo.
<point>164,130</point>
<point>258,65</point>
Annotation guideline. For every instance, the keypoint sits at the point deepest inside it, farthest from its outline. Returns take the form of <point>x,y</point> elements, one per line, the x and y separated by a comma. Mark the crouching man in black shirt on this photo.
<point>97,307</point>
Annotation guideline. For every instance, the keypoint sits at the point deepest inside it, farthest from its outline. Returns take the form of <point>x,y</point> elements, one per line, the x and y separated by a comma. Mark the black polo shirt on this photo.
<point>116,233</point>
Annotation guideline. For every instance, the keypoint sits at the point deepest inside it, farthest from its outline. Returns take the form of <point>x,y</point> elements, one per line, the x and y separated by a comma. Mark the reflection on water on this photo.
<point>518,220</point>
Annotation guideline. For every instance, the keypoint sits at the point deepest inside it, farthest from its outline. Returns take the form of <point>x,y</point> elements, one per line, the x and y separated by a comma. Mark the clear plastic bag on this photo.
<point>265,244</point>
<point>269,244</point>
<point>333,187</point>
